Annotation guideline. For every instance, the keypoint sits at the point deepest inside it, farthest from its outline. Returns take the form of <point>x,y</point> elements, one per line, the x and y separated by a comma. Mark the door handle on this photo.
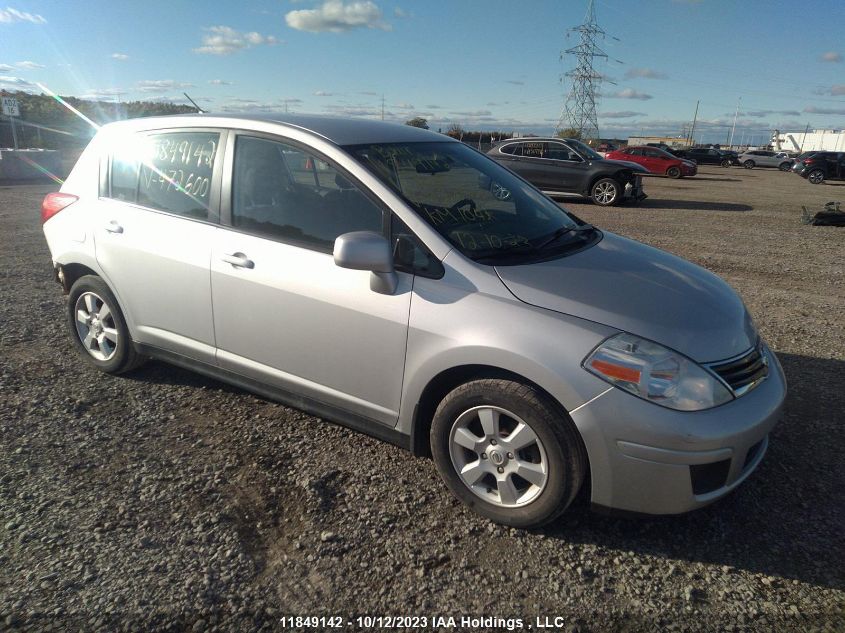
<point>239,260</point>
<point>114,227</point>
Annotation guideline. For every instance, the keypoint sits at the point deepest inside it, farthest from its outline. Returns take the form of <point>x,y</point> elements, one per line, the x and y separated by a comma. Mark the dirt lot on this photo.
<point>163,500</point>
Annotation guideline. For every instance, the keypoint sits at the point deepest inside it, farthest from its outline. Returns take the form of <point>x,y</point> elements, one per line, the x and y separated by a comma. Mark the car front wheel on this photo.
<point>725,163</point>
<point>98,328</point>
<point>749,164</point>
<point>674,172</point>
<point>606,192</point>
<point>508,452</point>
<point>785,166</point>
<point>816,176</point>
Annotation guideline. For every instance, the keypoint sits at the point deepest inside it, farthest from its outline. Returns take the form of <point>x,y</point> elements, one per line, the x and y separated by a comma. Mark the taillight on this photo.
<point>55,202</point>
<point>808,161</point>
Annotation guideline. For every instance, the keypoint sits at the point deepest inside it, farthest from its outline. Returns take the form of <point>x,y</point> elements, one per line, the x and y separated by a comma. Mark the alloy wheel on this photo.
<point>816,176</point>
<point>605,193</point>
<point>95,326</point>
<point>498,456</point>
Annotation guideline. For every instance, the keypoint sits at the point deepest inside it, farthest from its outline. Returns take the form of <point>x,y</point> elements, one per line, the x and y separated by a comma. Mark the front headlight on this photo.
<point>656,373</point>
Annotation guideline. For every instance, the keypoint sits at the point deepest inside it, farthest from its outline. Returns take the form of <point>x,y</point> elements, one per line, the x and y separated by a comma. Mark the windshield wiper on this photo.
<point>564,230</point>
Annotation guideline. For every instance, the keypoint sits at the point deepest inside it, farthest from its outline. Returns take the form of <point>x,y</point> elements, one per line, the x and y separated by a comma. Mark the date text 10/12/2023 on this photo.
<point>434,622</point>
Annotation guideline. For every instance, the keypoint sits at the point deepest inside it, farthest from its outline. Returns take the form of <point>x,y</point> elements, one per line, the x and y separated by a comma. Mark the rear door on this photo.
<point>563,169</point>
<point>158,213</point>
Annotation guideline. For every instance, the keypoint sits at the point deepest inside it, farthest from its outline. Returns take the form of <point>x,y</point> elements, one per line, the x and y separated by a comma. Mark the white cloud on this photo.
<point>622,114</point>
<point>9,15</point>
<point>337,17</point>
<point>5,68</point>
<point>219,82</point>
<point>103,93</point>
<point>838,90</point>
<point>161,85</point>
<point>831,56</point>
<point>644,73</point>
<point>815,110</point>
<point>473,113</point>
<point>515,82</point>
<point>403,106</point>
<point>630,93</point>
<point>28,65</point>
<point>400,13</point>
<point>323,93</point>
<point>224,40</point>
<point>16,83</point>
<point>121,57</point>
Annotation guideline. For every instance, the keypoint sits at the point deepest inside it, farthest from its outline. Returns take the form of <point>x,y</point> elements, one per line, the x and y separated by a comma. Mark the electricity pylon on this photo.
<point>579,109</point>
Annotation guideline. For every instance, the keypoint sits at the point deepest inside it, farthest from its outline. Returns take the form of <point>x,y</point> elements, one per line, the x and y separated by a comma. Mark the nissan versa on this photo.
<point>401,283</point>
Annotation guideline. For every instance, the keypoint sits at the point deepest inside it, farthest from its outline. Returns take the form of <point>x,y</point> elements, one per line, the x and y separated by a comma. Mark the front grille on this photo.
<point>744,373</point>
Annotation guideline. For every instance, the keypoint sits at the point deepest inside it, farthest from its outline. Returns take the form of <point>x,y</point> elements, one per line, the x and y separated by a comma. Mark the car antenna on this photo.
<point>199,109</point>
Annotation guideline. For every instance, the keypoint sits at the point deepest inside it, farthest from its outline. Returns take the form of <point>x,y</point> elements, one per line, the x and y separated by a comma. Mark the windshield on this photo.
<point>585,150</point>
<point>481,208</point>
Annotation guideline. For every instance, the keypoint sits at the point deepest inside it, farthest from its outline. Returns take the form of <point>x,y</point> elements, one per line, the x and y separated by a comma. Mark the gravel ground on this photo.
<point>166,501</point>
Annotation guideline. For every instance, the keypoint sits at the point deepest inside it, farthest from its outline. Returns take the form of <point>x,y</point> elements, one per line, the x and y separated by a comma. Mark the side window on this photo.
<point>175,172</point>
<point>283,192</point>
<point>635,152</point>
<point>509,148</point>
<point>124,176</point>
<point>409,255</point>
<point>534,150</point>
<point>559,151</point>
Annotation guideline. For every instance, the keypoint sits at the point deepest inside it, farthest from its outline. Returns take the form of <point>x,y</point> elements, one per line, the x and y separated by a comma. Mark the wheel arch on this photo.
<point>447,380</point>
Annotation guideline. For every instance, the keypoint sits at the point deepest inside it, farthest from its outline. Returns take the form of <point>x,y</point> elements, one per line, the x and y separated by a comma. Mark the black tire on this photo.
<point>117,358</point>
<point>785,166</point>
<point>726,163</point>
<point>816,176</point>
<point>674,172</point>
<point>606,192</point>
<point>557,440</point>
<point>749,164</point>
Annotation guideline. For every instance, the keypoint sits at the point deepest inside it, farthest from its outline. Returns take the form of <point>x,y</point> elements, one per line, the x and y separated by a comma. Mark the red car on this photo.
<point>656,160</point>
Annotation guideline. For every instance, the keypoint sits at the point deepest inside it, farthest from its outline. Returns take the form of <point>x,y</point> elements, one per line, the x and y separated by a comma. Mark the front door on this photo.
<point>284,313</point>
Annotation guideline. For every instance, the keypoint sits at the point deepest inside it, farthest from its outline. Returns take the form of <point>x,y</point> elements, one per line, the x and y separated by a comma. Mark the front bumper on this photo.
<point>648,459</point>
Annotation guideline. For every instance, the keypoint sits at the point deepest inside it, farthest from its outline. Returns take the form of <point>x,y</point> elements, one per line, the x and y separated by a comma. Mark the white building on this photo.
<point>813,140</point>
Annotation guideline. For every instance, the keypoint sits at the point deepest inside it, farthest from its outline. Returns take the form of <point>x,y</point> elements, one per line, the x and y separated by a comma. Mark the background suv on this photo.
<point>820,166</point>
<point>765,158</point>
<point>568,167</point>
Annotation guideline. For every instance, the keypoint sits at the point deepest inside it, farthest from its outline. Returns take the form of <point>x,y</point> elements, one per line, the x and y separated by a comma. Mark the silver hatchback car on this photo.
<point>401,283</point>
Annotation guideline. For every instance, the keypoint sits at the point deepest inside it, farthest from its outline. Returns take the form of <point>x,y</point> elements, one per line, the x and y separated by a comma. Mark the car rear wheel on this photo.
<point>674,172</point>
<point>508,452</point>
<point>749,164</point>
<point>98,328</point>
<point>816,176</point>
<point>785,166</point>
<point>725,163</point>
<point>606,192</point>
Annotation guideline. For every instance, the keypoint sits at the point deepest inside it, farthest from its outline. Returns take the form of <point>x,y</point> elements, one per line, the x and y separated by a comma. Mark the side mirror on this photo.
<point>365,250</point>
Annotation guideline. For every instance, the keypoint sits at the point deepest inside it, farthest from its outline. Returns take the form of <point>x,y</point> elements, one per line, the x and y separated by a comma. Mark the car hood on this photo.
<point>625,163</point>
<point>642,290</point>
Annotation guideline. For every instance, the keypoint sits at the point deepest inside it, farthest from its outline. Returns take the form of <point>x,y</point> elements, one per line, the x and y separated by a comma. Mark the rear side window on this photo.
<point>170,171</point>
<point>510,148</point>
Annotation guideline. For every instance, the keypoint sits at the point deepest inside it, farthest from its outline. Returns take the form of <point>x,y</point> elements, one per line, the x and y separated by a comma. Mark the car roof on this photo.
<point>338,130</point>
